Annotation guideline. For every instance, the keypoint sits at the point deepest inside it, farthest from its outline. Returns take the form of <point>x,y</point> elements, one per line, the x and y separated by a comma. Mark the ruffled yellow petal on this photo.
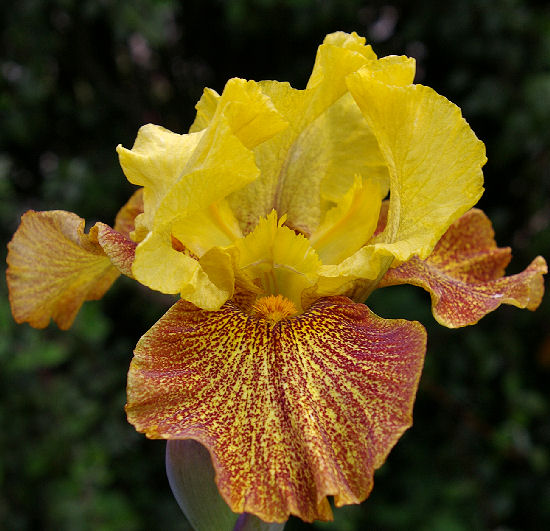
<point>340,54</point>
<point>335,52</point>
<point>156,161</point>
<point>251,115</point>
<point>223,161</point>
<point>294,164</point>
<point>258,198</point>
<point>181,173</point>
<point>227,166</point>
<point>251,127</point>
<point>206,108</point>
<point>397,70</point>
<point>351,149</point>
<point>284,262</point>
<point>433,157</point>
<point>190,208</point>
<point>219,267</point>
<point>53,267</point>
<point>161,267</point>
<point>215,226</point>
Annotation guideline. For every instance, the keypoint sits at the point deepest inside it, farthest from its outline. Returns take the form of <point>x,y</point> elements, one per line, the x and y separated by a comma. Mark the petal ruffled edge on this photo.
<point>465,274</point>
<point>433,156</point>
<point>53,267</point>
<point>291,412</point>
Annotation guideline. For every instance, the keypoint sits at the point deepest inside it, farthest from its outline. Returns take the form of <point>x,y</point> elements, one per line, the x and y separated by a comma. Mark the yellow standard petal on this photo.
<point>349,225</point>
<point>172,166</point>
<point>189,212</point>
<point>156,161</point>
<point>434,160</point>
<point>214,226</point>
<point>206,108</point>
<point>294,163</point>
<point>163,268</point>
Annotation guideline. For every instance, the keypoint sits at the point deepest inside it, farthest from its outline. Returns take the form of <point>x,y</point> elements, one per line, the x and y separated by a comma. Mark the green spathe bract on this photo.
<point>191,477</point>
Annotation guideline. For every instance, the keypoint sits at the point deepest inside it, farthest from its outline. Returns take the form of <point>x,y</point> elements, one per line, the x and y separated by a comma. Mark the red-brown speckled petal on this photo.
<point>464,274</point>
<point>291,411</point>
<point>126,217</point>
<point>117,246</point>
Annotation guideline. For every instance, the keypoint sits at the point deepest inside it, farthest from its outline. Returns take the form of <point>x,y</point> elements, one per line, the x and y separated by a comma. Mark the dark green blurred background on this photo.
<point>77,77</point>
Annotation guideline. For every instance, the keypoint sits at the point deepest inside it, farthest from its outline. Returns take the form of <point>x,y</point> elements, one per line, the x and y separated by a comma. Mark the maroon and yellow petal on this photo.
<point>126,217</point>
<point>53,267</point>
<point>291,410</point>
<point>119,243</point>
<point>120,249</point>
<point>465,274</point>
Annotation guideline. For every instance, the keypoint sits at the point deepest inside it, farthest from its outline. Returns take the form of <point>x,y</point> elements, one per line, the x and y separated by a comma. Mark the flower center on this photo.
<point>279,260</point>
<point>274,308</point>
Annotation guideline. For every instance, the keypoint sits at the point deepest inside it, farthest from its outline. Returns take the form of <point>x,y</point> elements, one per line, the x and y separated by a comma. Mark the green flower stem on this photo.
<point>249,522</point>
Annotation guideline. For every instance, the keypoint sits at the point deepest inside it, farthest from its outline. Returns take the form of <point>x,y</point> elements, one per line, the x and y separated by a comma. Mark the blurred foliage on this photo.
<point>77,77</point>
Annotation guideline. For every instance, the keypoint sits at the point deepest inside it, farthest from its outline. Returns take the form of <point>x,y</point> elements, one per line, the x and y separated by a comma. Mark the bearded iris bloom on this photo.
<point>273,219</point>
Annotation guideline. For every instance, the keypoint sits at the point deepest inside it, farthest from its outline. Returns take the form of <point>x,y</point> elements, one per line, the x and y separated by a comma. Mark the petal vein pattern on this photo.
<point>53,267</point>
<point>291,412</point>
<point>465,274</point>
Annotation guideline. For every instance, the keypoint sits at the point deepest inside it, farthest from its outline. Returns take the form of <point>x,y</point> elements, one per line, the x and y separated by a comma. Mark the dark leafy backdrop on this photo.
<point>77,77</point>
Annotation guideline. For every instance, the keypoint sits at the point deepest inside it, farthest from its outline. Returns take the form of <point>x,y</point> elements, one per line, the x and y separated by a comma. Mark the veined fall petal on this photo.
<point>465,274</point>
<point>53,267</point>
<point>117,246</point>
<point>125,221</point>
<point>117,242</point>
<point>291,410</point>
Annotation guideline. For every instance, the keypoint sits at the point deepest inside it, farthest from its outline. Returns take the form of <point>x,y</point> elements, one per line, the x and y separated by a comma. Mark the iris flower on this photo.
<point>273,219</point>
